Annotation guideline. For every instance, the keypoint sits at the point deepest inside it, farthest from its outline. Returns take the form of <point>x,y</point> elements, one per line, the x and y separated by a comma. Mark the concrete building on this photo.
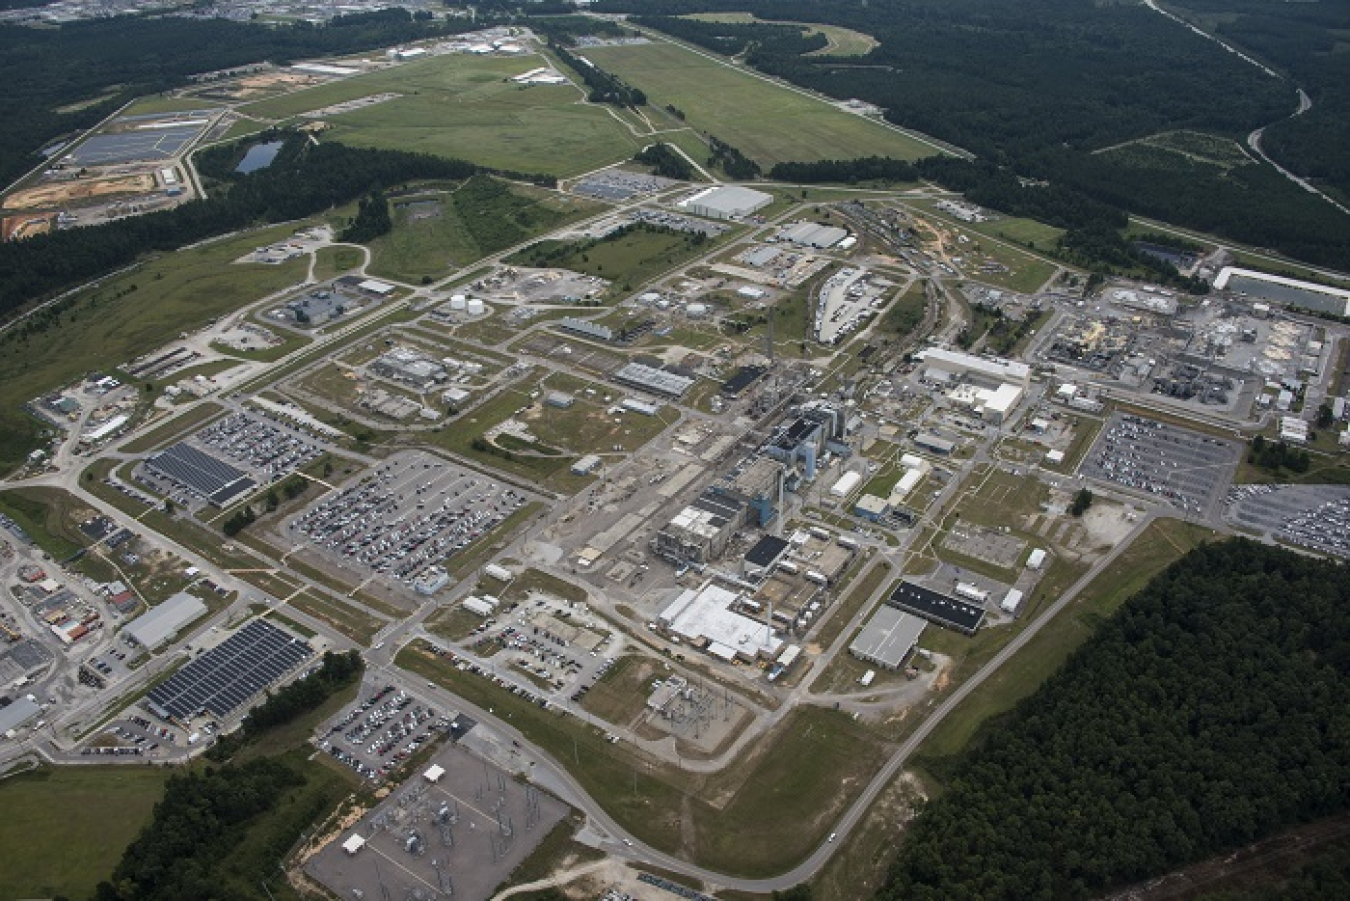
<point>871,508</point>
<point>586,465</point>
<point>756,482</point>
<point>705,618</point>
<point>560,400</point>
<point>432,580</point>
<point>15,715</point>
<point>725,202</point>
<point>959,363</point>
<point>701,531</point>
<point>888,638</point>
<point>403,364</point>
<point>158,625</point>
<point>766,554</point>
<point>937,607</point>
<point>812,234</point>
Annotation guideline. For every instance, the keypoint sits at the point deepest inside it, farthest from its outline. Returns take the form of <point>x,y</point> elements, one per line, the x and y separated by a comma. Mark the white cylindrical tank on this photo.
<point>476,307</point>
<point>697,310</point>
<point>459,302</point>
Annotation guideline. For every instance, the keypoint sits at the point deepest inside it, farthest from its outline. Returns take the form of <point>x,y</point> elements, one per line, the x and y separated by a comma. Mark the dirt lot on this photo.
<point>75,191</point>
<point>25,226</point>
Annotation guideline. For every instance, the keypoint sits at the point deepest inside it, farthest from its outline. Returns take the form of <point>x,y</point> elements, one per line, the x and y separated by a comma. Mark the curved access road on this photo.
<point>618,843</point>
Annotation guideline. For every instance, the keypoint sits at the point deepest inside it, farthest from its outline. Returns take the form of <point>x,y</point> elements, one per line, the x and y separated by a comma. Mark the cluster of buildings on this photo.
<point>989,388</point>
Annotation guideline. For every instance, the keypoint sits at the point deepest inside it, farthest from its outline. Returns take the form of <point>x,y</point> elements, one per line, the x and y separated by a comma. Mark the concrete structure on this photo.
<point>701,531</point>
<point>871,508</point>
<point>432,580</point>
<point>16,714</point>
<point>586,465</point>
<point>757,483</point>
<point>812,234</point>
<point>403,364</point>
<point>704,617</point>
<point>155,627</point>
<point>959,363</point>
<point>888,638</point>
<point>930,442</point>
<point>378,288</point>
<point>937,607</point>
<point>652,380</point>
<point>725,202</point>
<point>761,559</point>
<point>846,484</point>
<point>1295,292</point>
<point>634,405</point>
<point>1293,430</point>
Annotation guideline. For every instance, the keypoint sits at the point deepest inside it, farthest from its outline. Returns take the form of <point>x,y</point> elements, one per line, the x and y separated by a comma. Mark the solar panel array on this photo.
<point>217,481</point>
<point>229,674</point>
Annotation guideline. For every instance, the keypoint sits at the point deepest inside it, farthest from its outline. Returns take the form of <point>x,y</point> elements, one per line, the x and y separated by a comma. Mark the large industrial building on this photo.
<point>888,638</point>
<point>757,483</point>
<point>154,628</point>
<point>958,363</point>
<point>652,380</point>
<point>701,531</point>
<point>705,619</point>
<point>403,364</point>
<point>725,202</point>
<point>811,234</point>
<point>937,607</point>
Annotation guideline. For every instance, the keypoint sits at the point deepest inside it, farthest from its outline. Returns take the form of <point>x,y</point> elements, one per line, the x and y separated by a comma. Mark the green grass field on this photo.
<point>64,828</point>
<point>129,315</point>
<point>766,122</point>
<point>445,229</point>
<point>843,41</point>
<point>466,107</point>
<point>628,260</point>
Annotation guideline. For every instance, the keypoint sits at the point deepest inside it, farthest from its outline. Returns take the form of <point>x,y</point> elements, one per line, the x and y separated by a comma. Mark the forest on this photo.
<point>1042,87</point>
<point>1212,710</point>
<point>61,80</point>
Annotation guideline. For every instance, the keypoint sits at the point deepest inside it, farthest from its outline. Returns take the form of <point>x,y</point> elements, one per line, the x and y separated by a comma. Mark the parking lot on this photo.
<point>414,511</point>
<point>1315,516</point>
<point>380,731</point>
<point>268,451</point>
<point>1185,468</point>
<point>135,736</point>
<point>619,184</point>
<point>459,835</point>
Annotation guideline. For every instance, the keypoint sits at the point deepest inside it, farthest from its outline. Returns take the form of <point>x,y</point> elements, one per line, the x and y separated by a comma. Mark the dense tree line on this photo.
<point>665,162</point>
<point>372,220</point>
<point>1212,710</point>
<point>59,80</point>
<point>1040,86</point>
<point>734,163</point>
<point>848,172</point>
<point>604,87</point>
<point>202,817</point>
<point>565,29</point>
<point>758,40</point>
<point>336,672</point>
<point>304,179</point>
<point>1276,455</point>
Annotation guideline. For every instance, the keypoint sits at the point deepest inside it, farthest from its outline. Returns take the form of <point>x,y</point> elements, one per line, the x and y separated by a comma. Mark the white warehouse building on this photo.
<point>725,202</point>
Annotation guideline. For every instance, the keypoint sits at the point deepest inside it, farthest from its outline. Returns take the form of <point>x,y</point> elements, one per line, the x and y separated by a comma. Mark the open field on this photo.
<point>128,315</point>
<point>843,41</point>
<point>65,828</point>
<point>628,260</point>
<point>48,516</point>
<point>466,107</point>
<point>806,772</point>
<point>766,122</point>
<point>1163,542</point>
<point>358,626</point>
<point>446,228</point>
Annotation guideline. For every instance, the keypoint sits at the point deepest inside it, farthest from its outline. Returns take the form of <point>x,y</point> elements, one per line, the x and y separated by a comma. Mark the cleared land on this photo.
<point>766,122</point>
<point>843,41</point>
<point>64,828</point>
<point>129,315</point>
<point>467,107</point>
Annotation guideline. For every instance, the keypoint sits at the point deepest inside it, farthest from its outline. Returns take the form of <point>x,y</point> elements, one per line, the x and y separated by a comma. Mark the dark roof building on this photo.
<point>937,607</point>
<point>766,553</point>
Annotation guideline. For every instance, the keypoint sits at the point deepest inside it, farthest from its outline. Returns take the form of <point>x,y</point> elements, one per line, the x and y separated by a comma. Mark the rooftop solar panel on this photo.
<point>227,676</point>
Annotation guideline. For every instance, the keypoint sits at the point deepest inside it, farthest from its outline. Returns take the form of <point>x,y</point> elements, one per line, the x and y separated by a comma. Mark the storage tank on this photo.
<point>697,310</point>
<point>476,307</point>
<point>459,302</point>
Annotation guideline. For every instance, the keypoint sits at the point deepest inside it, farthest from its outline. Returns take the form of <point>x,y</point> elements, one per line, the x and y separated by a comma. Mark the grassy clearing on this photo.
<point>351,622</point>
<point>176,427</point>
<point>330,262</point>
<point>465,107</point>
<point>1028,232</point>
<point>766,122</point>
<point>843,41</point>
<point>532,580</point>
<point>441,231</point>
<point>129,315</point>
<point>621,694</point>
<point>1163,542</point>
<point>482,550</point>
<point>806,771</point>
<point>65,828</point>
<point>1026,273</point>
<point>629,260</point>
<point>49,516</point>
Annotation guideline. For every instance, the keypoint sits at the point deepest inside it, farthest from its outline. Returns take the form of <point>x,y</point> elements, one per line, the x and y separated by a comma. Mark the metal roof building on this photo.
<point>888,638</point>
<point>153,628</point>
<point>811,234</point>
<point>651,379</point>
<point>15,714</point>
<point>726,202</point>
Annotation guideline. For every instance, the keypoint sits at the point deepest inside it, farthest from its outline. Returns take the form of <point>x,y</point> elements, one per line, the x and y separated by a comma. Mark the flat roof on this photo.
<point>936,606</point>
<point>217,481</point>
<point>997,368</point>
<point>729,199</point>
<point>706,612</point>
<point>157,625</point>
<point>888,637</point>
<point>652,379</point>
<point>16,713</point>
<point>766,550</point>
